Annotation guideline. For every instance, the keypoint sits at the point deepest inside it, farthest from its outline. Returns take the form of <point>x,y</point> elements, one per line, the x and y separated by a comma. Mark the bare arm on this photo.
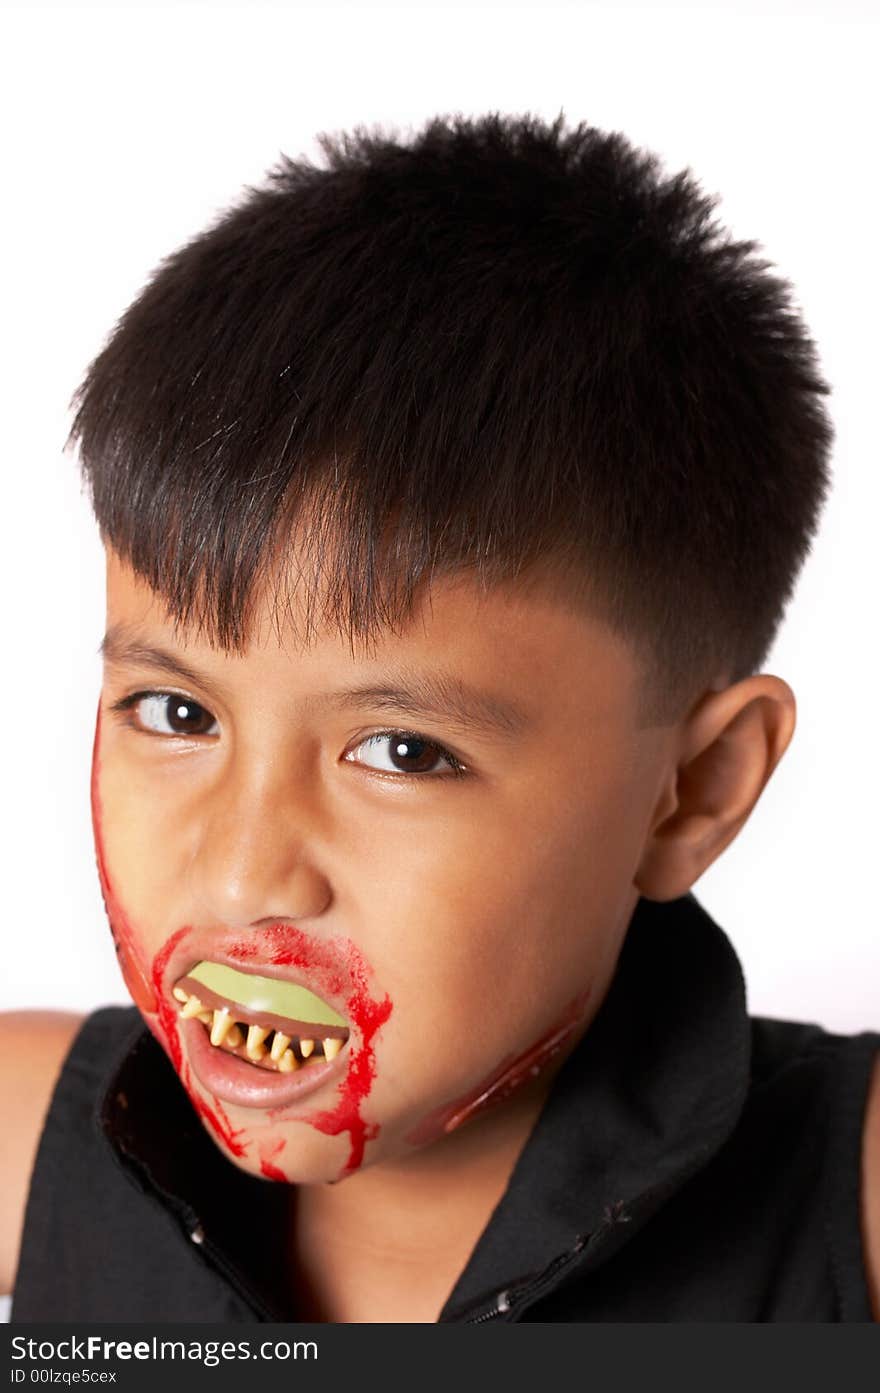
<point>33,1046</point>
<point>870,1191</point>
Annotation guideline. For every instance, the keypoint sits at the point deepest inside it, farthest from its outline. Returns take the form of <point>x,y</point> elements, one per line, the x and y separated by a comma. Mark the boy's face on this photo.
<point>464,928</point>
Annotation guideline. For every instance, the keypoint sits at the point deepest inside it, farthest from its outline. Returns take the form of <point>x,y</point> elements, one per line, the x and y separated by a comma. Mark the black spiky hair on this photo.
<point>496,346</point>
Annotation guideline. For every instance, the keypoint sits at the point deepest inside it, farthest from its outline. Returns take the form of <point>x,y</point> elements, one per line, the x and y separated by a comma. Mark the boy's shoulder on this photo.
<point>33,1047</point>
<point>870,1190</point>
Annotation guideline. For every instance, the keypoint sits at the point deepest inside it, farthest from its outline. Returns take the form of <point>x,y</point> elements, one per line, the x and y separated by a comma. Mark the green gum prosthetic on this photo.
<point>265,994</point>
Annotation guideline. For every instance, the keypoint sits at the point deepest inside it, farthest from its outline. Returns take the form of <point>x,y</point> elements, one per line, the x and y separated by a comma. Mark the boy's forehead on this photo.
<point>523,638</point>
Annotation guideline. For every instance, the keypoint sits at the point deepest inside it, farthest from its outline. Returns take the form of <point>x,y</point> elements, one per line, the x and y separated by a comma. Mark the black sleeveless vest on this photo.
<point>691,1163</point>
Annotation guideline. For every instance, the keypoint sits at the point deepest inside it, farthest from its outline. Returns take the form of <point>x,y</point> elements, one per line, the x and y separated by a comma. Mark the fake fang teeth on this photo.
<point>256,1043</point>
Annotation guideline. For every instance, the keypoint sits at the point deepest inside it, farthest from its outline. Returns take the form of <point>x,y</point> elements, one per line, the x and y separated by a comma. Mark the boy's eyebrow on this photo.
<point>438,694</point>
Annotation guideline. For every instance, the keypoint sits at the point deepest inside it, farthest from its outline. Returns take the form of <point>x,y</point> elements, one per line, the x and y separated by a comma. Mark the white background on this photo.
<point>124,129</point>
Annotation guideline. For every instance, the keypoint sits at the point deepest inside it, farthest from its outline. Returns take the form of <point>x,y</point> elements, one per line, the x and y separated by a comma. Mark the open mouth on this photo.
<point>271,1024</point>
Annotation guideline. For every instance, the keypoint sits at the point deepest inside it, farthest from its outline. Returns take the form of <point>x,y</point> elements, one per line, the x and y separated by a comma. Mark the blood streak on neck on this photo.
<point>504,1080</point>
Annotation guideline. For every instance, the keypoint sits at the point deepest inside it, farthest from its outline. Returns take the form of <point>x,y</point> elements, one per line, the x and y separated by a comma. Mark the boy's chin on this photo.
<point>291,1152</point>
<point>295,1151</point>
<point>263,1142</point>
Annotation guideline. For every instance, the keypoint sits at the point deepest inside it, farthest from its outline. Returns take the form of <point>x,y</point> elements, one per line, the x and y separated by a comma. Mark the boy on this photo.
<point>451,496</point>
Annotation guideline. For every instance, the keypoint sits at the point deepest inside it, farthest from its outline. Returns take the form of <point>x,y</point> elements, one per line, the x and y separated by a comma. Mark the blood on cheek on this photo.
<point>134,975</point>
<point>147,994</point>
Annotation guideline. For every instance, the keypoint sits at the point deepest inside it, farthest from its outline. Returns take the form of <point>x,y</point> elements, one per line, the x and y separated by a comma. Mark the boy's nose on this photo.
<point>255,860</point>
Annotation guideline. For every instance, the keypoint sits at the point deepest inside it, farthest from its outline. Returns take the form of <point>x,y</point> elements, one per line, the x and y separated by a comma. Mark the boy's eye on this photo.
<point>168,713</point>
<point>408,754</point>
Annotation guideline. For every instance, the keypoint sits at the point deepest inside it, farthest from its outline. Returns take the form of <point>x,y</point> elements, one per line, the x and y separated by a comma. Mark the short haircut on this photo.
<point>496,343</point>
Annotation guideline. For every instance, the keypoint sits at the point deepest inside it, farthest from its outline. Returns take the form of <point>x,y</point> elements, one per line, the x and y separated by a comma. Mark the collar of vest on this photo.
<point>650,1093</point>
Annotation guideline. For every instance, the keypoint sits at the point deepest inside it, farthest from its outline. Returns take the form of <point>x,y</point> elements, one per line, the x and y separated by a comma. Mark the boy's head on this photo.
<point>497,428</point>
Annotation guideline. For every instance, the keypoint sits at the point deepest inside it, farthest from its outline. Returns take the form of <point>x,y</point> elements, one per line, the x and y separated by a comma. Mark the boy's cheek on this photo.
<point>130,951</point>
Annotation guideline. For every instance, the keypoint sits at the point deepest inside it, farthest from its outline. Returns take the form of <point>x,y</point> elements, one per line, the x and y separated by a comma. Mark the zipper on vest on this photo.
<point>516,1299</point>
<point>499,1306</point>
<point>512,1301</point>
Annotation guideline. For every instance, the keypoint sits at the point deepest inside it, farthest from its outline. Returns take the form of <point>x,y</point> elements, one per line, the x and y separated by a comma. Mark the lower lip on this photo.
<point>236,1081</point>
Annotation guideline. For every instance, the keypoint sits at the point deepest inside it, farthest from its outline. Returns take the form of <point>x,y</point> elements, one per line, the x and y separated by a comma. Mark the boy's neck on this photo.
<point>389,1243</point>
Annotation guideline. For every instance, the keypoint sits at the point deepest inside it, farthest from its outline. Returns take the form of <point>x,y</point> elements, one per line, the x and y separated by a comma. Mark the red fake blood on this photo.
<point>146,996</point>
<point>218,1120</point>
<point>267,1150</point>
<point>368,1015</point>
<point>503,1081</point>
<point>321,962</point>
<point>133,973</point>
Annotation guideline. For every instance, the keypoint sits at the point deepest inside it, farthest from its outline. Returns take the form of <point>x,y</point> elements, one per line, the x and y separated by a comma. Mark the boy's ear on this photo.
<point>729,746</point>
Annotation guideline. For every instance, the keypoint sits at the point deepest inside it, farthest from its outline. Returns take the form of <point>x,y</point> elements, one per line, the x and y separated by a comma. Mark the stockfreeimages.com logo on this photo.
<point>208,1352</point>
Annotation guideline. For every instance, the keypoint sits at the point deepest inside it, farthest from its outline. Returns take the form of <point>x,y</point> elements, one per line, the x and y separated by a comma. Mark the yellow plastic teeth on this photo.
<point>255,1037</point>
<point>223,1023</point>
<point>226,1033</point>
